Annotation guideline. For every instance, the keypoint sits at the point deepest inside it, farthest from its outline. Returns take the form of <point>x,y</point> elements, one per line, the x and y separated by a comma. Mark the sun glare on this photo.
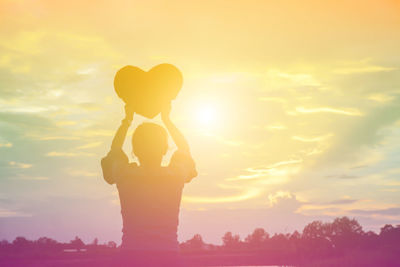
<point>207,116</point>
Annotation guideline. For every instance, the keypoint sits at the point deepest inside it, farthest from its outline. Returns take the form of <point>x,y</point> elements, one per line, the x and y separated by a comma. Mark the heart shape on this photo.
<point>148,92</point>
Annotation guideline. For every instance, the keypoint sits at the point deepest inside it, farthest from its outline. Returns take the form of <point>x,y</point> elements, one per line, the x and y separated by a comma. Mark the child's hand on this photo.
<point>129,112</point>
<point>165,113</point>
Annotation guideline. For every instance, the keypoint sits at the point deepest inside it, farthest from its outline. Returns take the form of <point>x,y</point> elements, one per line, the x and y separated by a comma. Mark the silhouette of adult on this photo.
<point>149,193</point>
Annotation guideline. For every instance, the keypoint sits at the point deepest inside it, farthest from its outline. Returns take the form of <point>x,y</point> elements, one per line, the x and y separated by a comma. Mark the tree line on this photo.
<point>318,240</point>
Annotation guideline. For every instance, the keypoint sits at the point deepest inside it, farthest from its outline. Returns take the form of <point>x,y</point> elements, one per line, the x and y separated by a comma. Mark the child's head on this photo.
<point>150,143</point>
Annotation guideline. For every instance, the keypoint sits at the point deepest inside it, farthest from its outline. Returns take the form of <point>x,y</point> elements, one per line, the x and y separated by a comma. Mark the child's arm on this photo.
<point>176,135</point>
<point>111,164</point>
<point>181,161</point>
<point>120,135</point>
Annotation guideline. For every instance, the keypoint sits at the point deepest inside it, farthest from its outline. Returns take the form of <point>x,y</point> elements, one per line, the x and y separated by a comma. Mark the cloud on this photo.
<point>362,135</point>
<point>6,144</point>
<point>381,98</point>
<point>19,165</point>
<point>347,112</point>
<point>5,213</point>
<point>247,194</point>
<point>343,176</point>
<point>344,201</point>
<point>312,139</point>
<point>274,172</point>
<point>276,127</point>
<point>273,99</point>
<point>363,69</point>
<point>69,154</point>
<point>33,178</point>
<point>90,145</point>
<point>26,120</point>
<point>47,138</point>
<point>83,173</point>
<point>277,196</point>
<point>388,211</point>
<point>277,78</point>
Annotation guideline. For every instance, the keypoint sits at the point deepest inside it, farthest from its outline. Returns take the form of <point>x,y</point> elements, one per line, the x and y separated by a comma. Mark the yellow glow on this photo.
<point>207,115</point>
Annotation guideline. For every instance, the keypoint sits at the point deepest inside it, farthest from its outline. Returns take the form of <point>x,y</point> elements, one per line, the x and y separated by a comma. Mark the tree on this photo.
<point>195,243</point>
<point>257,238</point>
<point>345,233</point>
<point>387,229</point>
<point>279,241</point>
<point>231,241</point>
<point>111,244</point>
<point>316,230</point>
<point>316,239</point>
<point>46,243</point>
<point>95,242</point>
<point>21,243</point>
<point>4,243</point>
<point>77,243</point>
<point>390,235</point>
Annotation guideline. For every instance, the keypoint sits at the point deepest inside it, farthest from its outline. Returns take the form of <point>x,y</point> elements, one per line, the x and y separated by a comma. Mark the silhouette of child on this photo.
<point>149,193</point>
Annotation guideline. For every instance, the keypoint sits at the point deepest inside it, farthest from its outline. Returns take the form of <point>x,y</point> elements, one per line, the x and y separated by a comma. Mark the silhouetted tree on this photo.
<point>77,243</point>
<point>316,239</point>
<point>195,243</point>
<point>342,240</point>
<point>257,238</point>
<point>111,244</point>
<point>21,243</point>
<point>231,241</point>
<point>390,236</point>
<point>345,233</point>
<point>279,241</point>
<point>95,242</point>
<point>46,243</point>
<point>370,240</point>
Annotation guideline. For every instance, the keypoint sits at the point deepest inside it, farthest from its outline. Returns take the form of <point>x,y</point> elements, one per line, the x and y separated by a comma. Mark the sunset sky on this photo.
<point>291,109</point>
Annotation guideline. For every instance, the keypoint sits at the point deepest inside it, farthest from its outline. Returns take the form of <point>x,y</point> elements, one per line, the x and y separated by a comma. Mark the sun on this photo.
<point>207,115</point>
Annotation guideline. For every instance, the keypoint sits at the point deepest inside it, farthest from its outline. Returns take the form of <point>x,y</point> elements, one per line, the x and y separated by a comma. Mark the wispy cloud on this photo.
<point>46,138</point>
<point>363,69</point>
<point>5,213</point>
<point>381,98</point>
<point>274,171</point>
<point>248,194</point>
<point>273,99</point>
<point>6,144</point>
<point>33,178</point>
<point>69,154</point>
<point>83,173</point>
<point>20,165</point>
<point>276,127</point>
<point>278,78</point>
<point>347,112</point>
<point>274,198</point>
<point>311,139</point>
<point>90,145</point>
